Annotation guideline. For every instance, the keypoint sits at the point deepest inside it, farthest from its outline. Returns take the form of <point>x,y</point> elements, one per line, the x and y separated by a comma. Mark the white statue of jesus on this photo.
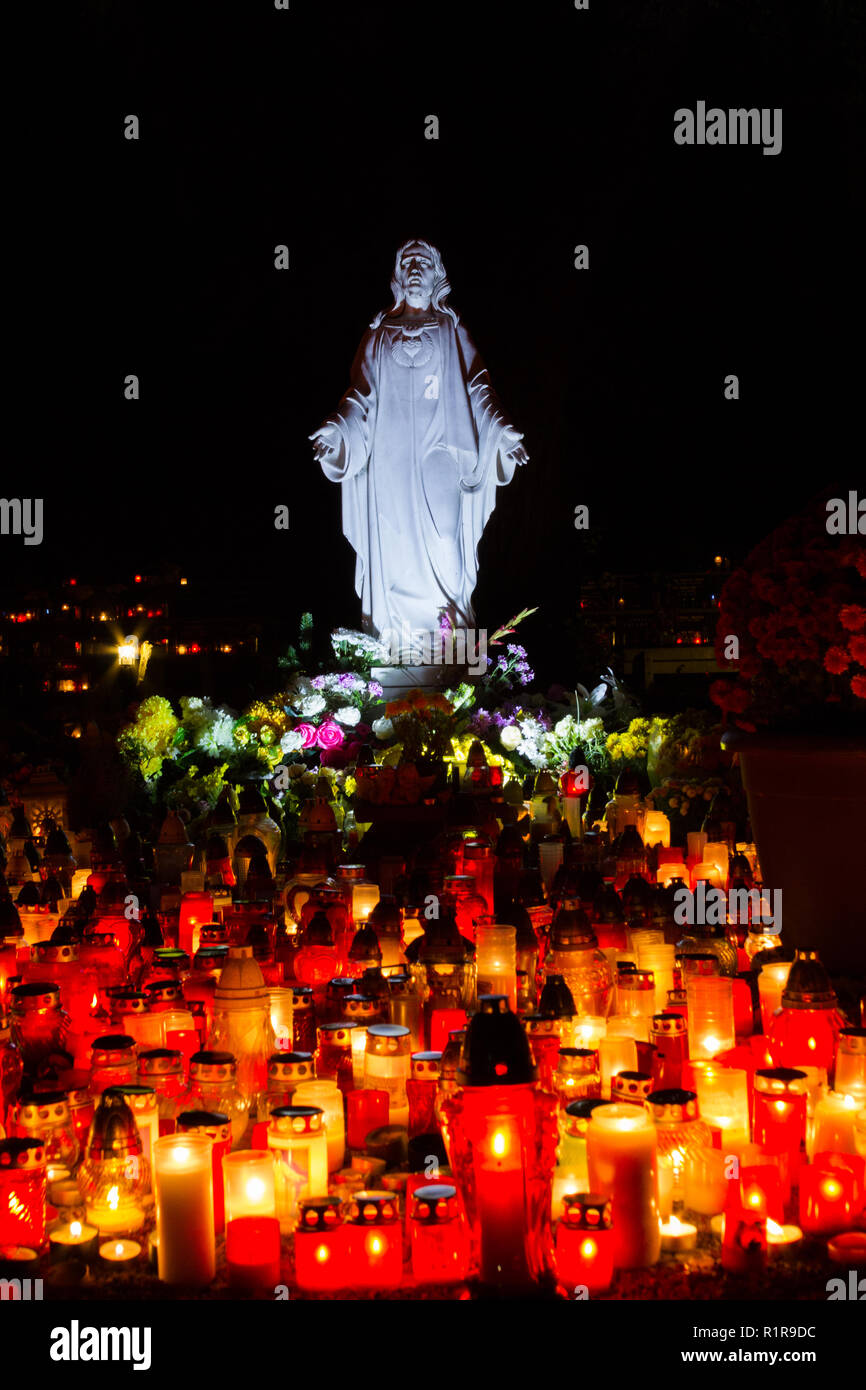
<point>420,445</point>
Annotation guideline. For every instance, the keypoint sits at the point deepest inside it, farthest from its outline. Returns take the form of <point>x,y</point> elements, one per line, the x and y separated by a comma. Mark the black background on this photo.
<point>306,127</point>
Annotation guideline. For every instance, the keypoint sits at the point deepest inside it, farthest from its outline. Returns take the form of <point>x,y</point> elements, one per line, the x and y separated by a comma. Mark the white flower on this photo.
<point>566,727</point>
<point>383,729</point>
<point>313,704</point>
<point>510,737</point>
<point>291,742</point>
<point>348,715</point>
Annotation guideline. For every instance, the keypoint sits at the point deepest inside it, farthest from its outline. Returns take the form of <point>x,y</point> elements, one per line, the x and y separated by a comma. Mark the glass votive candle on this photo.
<point>375,1241</point>
<point>438,1237</point>
<point>850,1075</point>
<point>631,1087</point>
<point>771,986</point>
<point>635,994</point>
<point>298,1142</point>
<point>183,1185</point>
<point>833,1124</point>
<point>365,1111</point>
<point>614,1055</point>
<point>387,1066</point>
<point>585,1243</point>
<point>321,1245</point>
<point>705,1182</point>
<point>22,1193</point>
<point>680,1129</point>
<point>635,1028</point>
<point>711,1014</point>
<point>248,1182</point>
<point>280,999</point>
<point>659,958</point>
<point>327,1097</point>
<point>723,1098</point>
<point>587,1029</point>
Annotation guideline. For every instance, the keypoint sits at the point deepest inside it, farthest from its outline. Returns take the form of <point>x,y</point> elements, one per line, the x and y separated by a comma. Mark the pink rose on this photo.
<point>329,734</point>
<point>308,733</point>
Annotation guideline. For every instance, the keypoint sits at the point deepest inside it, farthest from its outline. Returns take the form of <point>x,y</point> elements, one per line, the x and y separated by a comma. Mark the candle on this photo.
<point>365,1111</point>
<point>669,1035</point>
<point>587,1029</point>
<point>705,1181</point>
<point>73,1240</point>
<point>850,1075</point>
<point>723,1098</point>
<point>658,958</point>
<point>622,1159</point>
<point>321,1245</point>
<point>666,1185</point>
<point>216,1126</point>
<point>387,1067</point>
<point>657,829</point>
<point>615,1055</point>
<point>677,1235</point>
<point>253,1252</point>
<point>22,1192</point>
<point>439,1242</point>
<point>782,1238</point>
<point>711,1014</point>
<point>375,1239</point>
<point>495,960</point>
<point>143,1103</point>
<point>249,1186</point>
<point>327,1097</point>
<point>585,1243</point>
<point>298,1141</point>
<point>833,1126</point>
<point>118,1253</point>
<point>848,1249</point>
<point>827,1196</point>
<point>771,985</point>
<point>183,1180</point>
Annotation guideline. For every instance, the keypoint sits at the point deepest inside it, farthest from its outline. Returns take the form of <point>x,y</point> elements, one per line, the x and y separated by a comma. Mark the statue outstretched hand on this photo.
<point>512,449</point>
<point>327,444</point>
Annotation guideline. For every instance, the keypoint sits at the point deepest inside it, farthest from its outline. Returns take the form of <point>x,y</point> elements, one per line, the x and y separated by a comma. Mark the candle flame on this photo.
<point>255,1189</point>
<point>375,1246</point>
<point>675,1226</point>
<point>322,1254</point>
<point>181,1155</point>
<point>118,1249</point>
<point>113,1198</point>
<point>94,1001</point>
<point>75,1228</point>
<point>499,1143</point>
<point>588,1248</point>
<point>831,1188</point>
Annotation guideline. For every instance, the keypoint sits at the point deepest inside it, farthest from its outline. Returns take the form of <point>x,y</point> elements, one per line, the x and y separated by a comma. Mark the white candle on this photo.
<point>183,1179</point>
<point>677,1235</point>
<point>622,1160</point>
<point>705,1187</point>
<point>328,1097</point>
<point>120,1252</point>
<point>771,983</point>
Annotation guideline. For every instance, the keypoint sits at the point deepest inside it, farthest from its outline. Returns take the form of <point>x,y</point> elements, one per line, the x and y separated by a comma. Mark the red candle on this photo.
<point>760,1192</point>
<point>780,1119</point>
<point>253,1252</point>
<point>669,1034</point>
<point>322,1245</point>
<point>365,1111</point>
<point>827,1197</point>
<point>440,1243</point>
<point>744,1243</point>
<point>585,1242</point>
<point>22,1192</point>
<point>375,1239</point>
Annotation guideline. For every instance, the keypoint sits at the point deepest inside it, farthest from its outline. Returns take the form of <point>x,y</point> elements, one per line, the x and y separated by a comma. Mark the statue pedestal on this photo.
<point>397,681</point>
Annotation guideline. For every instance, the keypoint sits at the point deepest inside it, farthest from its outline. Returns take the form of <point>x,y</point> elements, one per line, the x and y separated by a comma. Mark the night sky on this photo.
<point>261,127</point>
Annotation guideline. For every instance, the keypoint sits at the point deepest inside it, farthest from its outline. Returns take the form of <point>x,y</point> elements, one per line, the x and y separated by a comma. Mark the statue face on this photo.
<point>417,275</point>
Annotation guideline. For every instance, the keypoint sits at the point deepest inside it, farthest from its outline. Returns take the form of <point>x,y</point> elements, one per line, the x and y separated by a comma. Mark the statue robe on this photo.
<point>423,453</point>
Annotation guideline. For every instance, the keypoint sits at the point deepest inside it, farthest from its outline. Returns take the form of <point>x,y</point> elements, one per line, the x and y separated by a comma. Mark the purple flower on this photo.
<point>346,681</point>
<point>375,690</point>
<point>318,682</point>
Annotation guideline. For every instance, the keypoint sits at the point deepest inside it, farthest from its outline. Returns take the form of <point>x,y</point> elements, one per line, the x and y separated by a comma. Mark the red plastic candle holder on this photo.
<point>828,1196</point>
<point>365,1111</point>
<point>22,1192</point>
<point>585,1242</point>
<point>322,1246</point>
<point>253,1252</point>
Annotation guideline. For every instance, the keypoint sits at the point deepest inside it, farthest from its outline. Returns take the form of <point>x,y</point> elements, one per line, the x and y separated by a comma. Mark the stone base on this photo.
<point>397,681</point>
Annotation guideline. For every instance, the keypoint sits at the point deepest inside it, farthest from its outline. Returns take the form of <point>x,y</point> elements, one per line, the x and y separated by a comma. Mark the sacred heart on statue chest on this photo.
<point>412,349</point>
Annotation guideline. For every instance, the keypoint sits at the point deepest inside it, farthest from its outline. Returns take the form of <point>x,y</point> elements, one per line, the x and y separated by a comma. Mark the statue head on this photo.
<point>419,279</point>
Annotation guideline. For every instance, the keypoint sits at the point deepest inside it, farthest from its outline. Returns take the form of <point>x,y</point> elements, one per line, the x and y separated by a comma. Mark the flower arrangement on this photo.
<point>792,630</point>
